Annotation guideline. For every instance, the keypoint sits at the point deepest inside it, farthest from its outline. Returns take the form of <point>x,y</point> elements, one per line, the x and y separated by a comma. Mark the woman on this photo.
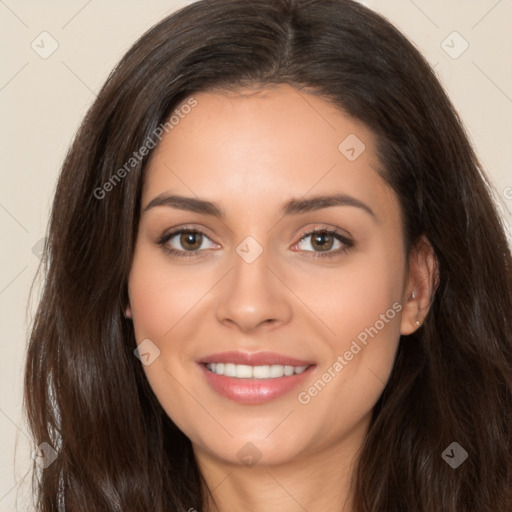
<point>276,279</point>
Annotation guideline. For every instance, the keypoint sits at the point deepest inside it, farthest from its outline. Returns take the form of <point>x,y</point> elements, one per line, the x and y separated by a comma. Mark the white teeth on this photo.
<point>230,370</point>
<point>244,371</point>
<point>276,370</point>
<point>289,370</point>
<point>261,372</point>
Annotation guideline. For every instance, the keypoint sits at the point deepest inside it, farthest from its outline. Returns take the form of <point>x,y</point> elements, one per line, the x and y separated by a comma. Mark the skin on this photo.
<point>250,152</point>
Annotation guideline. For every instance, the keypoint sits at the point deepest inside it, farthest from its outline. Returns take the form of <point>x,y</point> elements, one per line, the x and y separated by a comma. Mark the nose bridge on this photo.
<point>252,294</point>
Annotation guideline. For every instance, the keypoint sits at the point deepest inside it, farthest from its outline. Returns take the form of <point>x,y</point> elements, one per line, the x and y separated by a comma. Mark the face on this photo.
<point>300,302</point>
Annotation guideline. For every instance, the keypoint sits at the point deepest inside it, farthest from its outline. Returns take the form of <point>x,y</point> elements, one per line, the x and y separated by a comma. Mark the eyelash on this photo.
<point>348,244</point>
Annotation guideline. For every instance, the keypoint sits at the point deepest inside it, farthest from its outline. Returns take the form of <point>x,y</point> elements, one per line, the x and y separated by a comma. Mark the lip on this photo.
<point>254,359</point>
<point>254,391</point>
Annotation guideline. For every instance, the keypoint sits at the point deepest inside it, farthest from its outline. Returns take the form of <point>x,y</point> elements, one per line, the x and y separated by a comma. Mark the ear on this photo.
<point>421,284</point>
<point>128,312</point>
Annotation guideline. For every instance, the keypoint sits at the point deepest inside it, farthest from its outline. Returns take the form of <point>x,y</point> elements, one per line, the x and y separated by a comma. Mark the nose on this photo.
<point>253,296</point>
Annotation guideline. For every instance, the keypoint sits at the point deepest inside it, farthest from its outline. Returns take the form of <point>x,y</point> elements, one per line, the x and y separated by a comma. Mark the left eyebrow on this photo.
<point>296,206</point>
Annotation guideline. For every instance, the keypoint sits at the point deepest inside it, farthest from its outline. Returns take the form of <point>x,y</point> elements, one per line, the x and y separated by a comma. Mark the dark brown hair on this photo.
<point>86,393</point>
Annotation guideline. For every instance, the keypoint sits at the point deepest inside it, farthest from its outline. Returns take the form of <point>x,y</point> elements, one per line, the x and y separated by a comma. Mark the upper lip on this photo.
<point>254,359</point>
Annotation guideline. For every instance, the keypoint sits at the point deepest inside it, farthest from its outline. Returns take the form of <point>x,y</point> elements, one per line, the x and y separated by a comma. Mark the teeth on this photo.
<point>289,370</point>
<point>261,372</point>
<point>230,370</point>
<point>244,371</point>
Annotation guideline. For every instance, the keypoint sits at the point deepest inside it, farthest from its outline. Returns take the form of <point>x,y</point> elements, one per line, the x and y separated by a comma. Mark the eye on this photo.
<point>184,242</point>
<point>323,241</point>
<point>190,242</point>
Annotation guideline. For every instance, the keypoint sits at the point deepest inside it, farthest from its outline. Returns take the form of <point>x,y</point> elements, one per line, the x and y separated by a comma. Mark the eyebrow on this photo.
<point>291,207</point>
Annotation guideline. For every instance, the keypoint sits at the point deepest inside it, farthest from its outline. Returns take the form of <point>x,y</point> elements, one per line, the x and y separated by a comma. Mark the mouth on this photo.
<point>254,378</point>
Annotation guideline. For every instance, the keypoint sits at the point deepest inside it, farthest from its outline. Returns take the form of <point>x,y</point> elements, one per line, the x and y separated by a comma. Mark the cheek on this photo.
<point>362,309</point>
<point>160,297</point>
<point>354,297</point>
<point>166,304</point>
<point>161,302</point>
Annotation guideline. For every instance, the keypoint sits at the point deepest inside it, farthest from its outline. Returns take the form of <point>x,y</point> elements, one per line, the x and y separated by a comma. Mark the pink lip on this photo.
<point>254,391</point>
<point>254,359</point>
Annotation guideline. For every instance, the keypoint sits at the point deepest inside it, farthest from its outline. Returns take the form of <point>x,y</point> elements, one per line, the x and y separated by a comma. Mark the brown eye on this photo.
<point>325,243</point>
<point>322,240</point>
<point>186,242</point>
<point>191,240</point>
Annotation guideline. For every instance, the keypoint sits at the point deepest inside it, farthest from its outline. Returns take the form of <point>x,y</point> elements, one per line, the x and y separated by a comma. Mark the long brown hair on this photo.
<point>86,394</point>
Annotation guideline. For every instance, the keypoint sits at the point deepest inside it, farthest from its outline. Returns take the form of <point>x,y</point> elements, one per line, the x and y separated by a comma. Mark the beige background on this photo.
<point>43,100</point>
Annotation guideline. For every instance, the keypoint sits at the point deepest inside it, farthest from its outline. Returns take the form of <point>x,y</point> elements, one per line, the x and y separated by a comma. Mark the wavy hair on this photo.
<point>86,394</point>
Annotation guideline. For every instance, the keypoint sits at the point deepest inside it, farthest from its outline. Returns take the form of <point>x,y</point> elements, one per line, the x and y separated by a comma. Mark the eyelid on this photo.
<point>172,232</point>
<point>169,233</point>
<point>335,234</point>
<point>322,227</point>
<point>346,241</point>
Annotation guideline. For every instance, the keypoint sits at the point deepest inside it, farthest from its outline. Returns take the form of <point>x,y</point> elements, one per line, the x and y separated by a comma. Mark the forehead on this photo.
<point>256,145</point>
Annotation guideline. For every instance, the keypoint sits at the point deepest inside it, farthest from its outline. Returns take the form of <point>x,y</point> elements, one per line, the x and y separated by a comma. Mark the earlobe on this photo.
<point>410,315</point>
<point>128,312</point>
<point>421,285</point>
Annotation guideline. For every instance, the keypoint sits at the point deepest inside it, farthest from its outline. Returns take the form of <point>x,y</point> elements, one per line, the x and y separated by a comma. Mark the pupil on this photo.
<point>188,239</point>
<point>318,240</point>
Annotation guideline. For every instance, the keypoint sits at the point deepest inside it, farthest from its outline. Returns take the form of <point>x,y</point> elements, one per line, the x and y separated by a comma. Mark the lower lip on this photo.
<point>254,391</point>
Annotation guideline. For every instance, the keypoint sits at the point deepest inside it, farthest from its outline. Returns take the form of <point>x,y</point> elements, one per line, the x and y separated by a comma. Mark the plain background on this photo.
<point>43,100</point>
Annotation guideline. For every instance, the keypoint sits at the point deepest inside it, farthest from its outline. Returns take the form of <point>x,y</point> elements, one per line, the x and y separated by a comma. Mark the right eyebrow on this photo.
<point>190,204</point>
